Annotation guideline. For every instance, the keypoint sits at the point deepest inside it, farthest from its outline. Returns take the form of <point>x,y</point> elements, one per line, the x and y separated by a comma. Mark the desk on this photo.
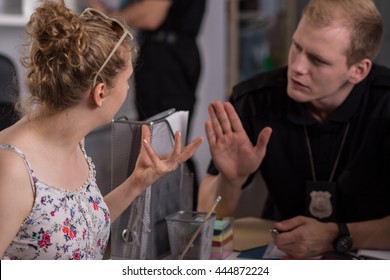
<point>251,232</point>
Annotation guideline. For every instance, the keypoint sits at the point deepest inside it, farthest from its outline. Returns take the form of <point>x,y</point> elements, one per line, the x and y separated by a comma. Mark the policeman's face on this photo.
<point>318,72</point>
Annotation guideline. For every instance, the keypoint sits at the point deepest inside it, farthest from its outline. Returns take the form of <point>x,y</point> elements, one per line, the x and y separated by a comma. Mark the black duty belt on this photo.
<point>168,37</point>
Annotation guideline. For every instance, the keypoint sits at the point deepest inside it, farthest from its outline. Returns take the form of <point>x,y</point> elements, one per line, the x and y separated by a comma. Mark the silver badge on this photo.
<point>320,204</point>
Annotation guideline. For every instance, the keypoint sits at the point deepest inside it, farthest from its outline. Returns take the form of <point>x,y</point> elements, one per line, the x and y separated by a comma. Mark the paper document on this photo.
<point>272,252</point>
<point>179,122</point>
<point>374,254</point>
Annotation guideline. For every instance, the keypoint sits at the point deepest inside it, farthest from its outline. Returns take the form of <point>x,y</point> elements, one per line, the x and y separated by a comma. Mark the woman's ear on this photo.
<point>360,70</point>
<point>99,94</point>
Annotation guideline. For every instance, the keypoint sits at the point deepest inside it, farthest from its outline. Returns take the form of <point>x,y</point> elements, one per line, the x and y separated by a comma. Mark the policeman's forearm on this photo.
<point>372,234</point>
<point>230,192</point>
<point>207,193</point>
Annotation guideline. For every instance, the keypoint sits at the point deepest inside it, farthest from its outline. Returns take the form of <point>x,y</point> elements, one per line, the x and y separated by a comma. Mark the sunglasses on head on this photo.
<point>118,27</point>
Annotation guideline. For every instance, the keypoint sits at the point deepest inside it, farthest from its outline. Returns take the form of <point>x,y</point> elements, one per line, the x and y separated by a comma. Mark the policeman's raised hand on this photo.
<point>233,153</point>
<point>150,166</point>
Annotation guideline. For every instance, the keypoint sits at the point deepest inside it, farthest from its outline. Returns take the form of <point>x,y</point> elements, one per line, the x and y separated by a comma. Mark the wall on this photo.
<point>10,45</point>
<point>213,82</point>
<point>384,54</point>
<point>12,15</point>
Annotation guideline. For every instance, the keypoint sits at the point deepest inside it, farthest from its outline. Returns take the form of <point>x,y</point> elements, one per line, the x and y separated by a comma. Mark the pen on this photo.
<point>278,231</point>
<point>274,231</point>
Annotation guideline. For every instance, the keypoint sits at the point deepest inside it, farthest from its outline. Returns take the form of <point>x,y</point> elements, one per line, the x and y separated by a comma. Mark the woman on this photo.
<point>78,71</point>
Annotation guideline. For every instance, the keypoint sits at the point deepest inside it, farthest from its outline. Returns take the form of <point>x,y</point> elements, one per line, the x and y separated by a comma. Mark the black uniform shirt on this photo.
<point>363,172</point>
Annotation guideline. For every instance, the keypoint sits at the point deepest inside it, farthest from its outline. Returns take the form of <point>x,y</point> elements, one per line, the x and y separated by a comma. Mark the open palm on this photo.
<point>233,153</point>
<point>150,166</point>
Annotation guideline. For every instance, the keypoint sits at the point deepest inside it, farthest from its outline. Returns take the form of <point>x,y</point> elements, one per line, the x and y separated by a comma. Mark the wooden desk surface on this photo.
<point>251,232</point>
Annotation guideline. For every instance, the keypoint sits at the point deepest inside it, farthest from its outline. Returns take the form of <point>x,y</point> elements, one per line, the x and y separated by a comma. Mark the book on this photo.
<point>226,235</point>
<point>221,226</point>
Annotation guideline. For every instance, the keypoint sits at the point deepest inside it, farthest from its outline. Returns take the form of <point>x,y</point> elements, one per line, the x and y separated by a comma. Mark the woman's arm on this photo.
<point>148,169</point>
<point>16,196</point>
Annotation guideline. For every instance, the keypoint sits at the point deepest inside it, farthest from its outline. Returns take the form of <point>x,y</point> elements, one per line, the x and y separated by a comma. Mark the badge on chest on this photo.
<point>321,200</point>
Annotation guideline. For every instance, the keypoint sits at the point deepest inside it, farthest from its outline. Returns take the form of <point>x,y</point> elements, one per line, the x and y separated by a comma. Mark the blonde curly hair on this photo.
<point>65,52</point>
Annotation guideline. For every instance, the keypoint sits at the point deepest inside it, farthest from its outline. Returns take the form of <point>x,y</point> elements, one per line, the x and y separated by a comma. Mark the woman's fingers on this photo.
<point>148,148</point>
<point>189,150</point>
<point>178,155</point>
<point>177,147</point>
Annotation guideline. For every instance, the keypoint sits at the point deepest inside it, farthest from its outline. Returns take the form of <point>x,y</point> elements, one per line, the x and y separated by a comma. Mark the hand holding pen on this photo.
<point>302,237</point>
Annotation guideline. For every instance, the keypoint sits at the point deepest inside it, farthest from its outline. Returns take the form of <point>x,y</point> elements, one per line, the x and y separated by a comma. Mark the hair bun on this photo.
<point>58,34</point>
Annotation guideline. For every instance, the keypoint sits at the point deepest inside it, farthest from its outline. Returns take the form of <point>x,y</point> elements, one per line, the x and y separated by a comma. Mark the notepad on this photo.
<point>222,243</point>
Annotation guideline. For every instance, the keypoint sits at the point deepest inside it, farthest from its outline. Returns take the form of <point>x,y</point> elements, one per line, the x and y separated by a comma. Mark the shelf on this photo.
<point>17,12</point>
<point>12,20</point>
<point>13,13</point>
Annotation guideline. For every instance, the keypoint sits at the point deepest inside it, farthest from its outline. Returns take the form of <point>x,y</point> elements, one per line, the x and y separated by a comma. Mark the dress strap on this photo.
<point>23,156</point>
<point>91,165</point>
<point>82,147</point>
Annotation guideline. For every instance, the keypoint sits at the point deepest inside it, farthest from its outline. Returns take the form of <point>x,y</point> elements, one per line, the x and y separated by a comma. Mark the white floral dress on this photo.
<point>62,224</point>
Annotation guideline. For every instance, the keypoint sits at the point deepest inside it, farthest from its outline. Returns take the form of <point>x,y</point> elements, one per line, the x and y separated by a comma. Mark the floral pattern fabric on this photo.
<point>62,224</point>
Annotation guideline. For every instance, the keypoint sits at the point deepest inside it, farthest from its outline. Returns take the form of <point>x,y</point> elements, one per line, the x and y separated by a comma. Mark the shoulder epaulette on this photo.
<point>381,76</point>
<point>274,78</point>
